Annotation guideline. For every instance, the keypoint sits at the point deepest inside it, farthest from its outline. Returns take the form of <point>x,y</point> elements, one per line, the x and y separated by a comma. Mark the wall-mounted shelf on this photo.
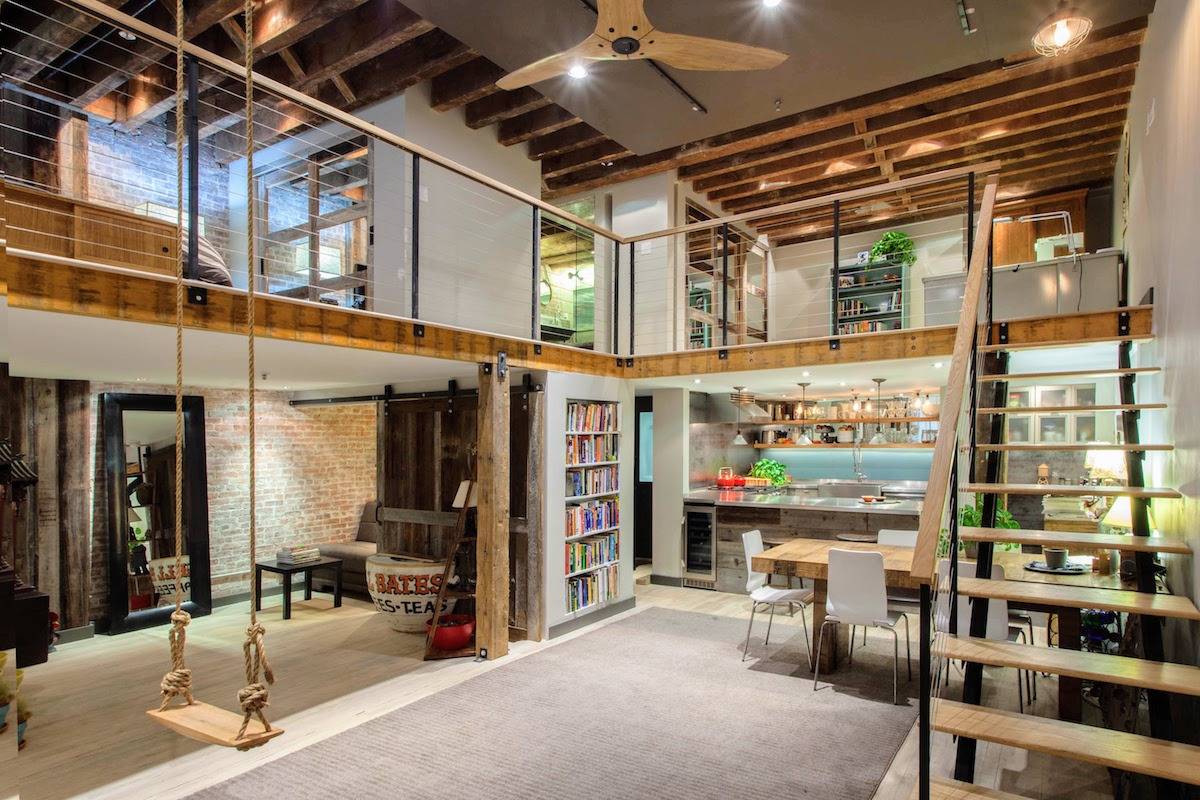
<point>592,431</point>
<point>854,421</point>
<point>847,446</point>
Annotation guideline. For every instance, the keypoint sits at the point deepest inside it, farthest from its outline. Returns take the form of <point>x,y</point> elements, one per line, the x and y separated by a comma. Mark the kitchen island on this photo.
<point>786,515</point>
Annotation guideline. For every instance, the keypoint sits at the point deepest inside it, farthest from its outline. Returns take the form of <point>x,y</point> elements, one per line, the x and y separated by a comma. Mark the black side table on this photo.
<point>286,571</point>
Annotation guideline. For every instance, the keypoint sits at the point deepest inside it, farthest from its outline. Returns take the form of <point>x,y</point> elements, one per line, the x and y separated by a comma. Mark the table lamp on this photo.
<point>1106,465</point>
<point>1120,515</point>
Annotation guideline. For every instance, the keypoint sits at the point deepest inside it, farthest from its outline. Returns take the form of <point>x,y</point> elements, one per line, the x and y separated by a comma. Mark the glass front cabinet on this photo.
<point>1053,427</point>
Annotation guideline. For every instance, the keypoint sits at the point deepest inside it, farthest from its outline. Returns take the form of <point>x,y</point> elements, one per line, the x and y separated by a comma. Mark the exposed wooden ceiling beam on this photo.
<point>573,138</point>
<point>50,37</point>
<point>472,81</point>
<point>902,98</point>
<point>282,23</point>
<point>535,123</point>
<point>504,105</point>
<point>600,153</point>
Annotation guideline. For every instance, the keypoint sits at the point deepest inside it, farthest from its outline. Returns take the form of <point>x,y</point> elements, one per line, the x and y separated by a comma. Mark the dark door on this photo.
<point>643,492</point>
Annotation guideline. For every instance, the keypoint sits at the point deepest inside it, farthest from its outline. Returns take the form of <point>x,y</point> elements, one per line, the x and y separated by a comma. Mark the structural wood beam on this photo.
<point>492,584</point>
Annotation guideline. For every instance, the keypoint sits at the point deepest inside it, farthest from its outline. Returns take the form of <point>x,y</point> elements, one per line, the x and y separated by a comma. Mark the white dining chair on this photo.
<point>763,594</point>
<point>997,627</point>
<point>856,594</point>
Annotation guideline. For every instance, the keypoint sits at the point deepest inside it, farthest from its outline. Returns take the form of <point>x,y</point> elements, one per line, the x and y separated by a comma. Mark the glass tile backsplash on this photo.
<point>892,465</point>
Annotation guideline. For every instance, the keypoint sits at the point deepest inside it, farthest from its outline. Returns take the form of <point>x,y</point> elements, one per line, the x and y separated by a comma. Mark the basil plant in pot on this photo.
<point>773,471</point>
<point>895,246</point>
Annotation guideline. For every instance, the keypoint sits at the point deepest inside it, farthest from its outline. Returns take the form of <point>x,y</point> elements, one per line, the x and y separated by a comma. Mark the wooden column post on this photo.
<point>75,472</point>
<point>492,589</point>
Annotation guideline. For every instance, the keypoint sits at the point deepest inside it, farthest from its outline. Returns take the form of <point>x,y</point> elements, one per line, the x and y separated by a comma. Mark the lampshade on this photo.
<point>1120,514</point>
<point>1062,31</point>
<point>132,514</point>
<point>740,440</point>
<point>803,439</point>
<point>878,438</point>
<point>1106,464</point>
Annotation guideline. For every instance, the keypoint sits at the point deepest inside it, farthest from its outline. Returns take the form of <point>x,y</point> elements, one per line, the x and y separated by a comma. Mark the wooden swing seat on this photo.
<point>212,725</point>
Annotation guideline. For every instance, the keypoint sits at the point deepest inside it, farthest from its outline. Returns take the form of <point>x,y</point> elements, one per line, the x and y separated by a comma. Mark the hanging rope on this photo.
<point>253,696</point>
<point>178,681</point>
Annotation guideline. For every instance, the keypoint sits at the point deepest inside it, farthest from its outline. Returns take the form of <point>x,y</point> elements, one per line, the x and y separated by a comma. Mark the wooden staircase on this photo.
<point>1169,762</point>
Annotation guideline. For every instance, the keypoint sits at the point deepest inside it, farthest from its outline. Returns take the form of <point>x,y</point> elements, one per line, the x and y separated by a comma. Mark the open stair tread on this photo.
<point>1022,447</point>
<point>1072,409</point>
<point>950,789</point>
<point>1108,748</point>
<point>1072,490</point>
<point>1066,595</point>
<point>1065,343</point>
<point>1167,677</point>
<point>1145,544</point>
<point>212,725</point>
<point>1069,373</point>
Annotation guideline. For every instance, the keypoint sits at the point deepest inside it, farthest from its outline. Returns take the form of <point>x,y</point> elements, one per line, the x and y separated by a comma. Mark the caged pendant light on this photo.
<point>1062,31</point>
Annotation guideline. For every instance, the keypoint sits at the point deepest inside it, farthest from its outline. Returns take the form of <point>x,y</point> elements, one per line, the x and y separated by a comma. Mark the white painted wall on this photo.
<point>1161,246</point>
<point>800,294</point>
<point>671,460</point>
<point>559,388</point>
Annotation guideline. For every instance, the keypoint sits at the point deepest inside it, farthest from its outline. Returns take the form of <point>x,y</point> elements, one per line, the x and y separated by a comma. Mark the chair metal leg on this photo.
<point>1020,694</point>
<point>817,662</point>
<point>770,619</point>
<point>895,666</point>
<point>853,633</point>
<point>907,644</point>
<point>807,645</point>
<point>746,647</point>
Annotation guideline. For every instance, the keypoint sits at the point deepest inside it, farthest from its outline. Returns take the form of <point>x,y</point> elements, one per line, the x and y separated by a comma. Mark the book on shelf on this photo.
<point>592,480</point>
<point>588,448</point>
<point>593,515</point>
<point>592,552</point>
<point>300,554</point>
<point>596,417</point>
<point>594,587</point>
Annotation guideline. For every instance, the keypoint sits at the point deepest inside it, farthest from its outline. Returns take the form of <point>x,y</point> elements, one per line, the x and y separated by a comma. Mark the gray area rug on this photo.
<point>655,705</point>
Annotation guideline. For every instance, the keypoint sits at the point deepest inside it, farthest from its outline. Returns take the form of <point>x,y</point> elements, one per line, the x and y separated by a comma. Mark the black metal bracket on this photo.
<point>722,355</point>
<point>197,295</point>
<point>1123,323</point>
<point>419,331</point>
<point>835,344</point>
<point>629,362</point>
<point>1003,333</point>
<point>502,364</point>
<point>485,368</point>
<point>620,361</point>
<point>537,349</point>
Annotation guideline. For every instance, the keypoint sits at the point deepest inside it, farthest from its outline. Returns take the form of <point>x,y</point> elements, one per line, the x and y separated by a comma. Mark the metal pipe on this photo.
<point>535,326</point>
<point>616,298</point>
<point>837,266</point>
<point>631,295</point>
<point>192,134</point>
<point>925,725</point>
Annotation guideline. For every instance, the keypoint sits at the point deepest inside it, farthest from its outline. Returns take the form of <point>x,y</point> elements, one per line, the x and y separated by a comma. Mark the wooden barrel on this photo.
<point>405,589</point>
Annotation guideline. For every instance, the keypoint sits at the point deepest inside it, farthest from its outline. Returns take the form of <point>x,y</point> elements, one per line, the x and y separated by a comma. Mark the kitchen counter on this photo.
<point>799,502</point>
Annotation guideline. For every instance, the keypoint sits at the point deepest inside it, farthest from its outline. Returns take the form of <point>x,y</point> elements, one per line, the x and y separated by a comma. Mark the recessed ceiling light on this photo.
<point>578,71</point>
<point>843,383</point>
<point>695,108</point>
<point>140,380</point>
<point>697,380</point>
<point>938,365</point>
<point>805,374</point>
<point>771,3</point>
<point>126,35</point>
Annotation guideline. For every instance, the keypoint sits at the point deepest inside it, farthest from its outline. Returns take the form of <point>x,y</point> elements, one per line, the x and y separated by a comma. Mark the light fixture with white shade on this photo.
<point>1062,31</point>
<point>803,439</point>
<point>1120,514</point>
<point>878,438</point>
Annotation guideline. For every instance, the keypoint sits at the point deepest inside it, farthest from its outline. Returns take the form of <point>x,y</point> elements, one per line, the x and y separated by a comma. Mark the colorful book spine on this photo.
<point>593,515</point>
<point>594,587</point>
<point>593,480</point>
<point>592,553</point>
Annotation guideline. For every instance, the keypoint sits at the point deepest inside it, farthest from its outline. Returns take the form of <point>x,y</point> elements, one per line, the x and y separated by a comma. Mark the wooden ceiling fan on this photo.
<point>623,31</point>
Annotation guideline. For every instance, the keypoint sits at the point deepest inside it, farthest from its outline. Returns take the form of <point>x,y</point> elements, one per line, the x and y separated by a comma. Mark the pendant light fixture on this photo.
<point>1062,31</point>
<point>803,438</point>
<point>738,392</point>
<point>878,438</point>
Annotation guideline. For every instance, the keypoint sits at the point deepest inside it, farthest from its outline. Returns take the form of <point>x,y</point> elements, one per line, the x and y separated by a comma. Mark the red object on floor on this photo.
<point>139,601</point>
<point>454,631</point>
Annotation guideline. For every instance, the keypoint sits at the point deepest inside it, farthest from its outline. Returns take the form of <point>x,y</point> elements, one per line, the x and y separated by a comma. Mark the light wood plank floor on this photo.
<point>337,669</point>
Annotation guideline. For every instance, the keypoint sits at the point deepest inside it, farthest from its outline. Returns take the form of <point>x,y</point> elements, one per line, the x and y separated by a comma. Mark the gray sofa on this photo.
<point>354,554</point>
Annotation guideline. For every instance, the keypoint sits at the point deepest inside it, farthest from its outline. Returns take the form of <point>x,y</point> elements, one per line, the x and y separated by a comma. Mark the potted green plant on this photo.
<point>972,517</point>
<point>895,246</point>
<point>772,470</point>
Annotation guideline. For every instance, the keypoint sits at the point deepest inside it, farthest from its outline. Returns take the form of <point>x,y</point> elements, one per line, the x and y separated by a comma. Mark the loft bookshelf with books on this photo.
<point>592,506</point>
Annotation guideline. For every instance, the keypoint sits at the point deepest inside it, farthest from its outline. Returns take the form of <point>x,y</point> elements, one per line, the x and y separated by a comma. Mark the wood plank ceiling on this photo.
<point>1053,123</point>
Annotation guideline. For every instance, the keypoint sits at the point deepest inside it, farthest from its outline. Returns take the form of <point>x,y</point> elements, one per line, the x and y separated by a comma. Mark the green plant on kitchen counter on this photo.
<point>895,245</point>
<point>773,471</point>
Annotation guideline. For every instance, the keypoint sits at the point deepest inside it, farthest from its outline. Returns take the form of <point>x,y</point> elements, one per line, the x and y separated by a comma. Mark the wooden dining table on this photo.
<point>809,559</point>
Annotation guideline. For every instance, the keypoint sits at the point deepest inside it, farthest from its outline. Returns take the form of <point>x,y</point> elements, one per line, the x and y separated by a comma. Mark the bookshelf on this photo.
<point>871,297</point>
<point>591,505</point>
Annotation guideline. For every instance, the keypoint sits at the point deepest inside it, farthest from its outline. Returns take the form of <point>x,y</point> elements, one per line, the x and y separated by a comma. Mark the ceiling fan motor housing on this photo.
<point>626,45</point>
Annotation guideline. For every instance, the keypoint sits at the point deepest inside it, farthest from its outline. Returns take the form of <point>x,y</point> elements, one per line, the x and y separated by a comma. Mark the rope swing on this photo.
<point>194,719</point>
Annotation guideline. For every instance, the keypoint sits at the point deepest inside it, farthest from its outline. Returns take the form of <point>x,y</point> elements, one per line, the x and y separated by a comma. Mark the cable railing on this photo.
<point>351,214</point>
<point>938,534</point>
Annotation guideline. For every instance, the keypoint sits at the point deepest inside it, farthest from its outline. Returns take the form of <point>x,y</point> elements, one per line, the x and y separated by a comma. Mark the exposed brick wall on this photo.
<point>131,169</point>
<point>315,471</point>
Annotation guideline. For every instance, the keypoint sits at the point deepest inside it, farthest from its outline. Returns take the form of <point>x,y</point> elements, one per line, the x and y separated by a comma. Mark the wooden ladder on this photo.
<point>464,501</point>
<point>1169,762</point>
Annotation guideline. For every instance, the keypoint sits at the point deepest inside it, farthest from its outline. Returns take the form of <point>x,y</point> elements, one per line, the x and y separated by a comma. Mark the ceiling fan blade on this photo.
<point>697,52</point>
<point>590,49</point>
<point>622,18</point>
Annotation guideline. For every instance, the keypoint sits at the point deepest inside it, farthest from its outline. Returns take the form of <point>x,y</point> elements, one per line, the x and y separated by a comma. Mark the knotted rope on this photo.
<point>178,681</point>
<point>254,695</point>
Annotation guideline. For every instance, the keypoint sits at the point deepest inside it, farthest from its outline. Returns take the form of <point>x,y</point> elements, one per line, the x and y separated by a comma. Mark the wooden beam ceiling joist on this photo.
<point>50,37</point>
<point>282,23</point>
<point>905,99</point>
<point>500,106</point>
<point>471,81</point>
<point>575,137</point>
<point>536,123</point>
<point>601,154</point>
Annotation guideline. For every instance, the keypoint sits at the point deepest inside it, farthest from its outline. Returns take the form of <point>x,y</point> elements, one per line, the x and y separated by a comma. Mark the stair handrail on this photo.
<point>929,528</point>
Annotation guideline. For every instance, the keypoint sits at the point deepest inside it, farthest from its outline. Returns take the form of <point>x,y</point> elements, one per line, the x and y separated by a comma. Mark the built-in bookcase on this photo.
<point>592,547</point>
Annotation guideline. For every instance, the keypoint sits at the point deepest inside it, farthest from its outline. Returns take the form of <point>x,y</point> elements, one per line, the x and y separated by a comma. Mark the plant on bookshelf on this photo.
<point>592,546</point>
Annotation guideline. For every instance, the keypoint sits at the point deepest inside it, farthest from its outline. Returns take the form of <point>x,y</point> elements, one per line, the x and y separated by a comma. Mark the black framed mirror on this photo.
<point>139,466</point>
